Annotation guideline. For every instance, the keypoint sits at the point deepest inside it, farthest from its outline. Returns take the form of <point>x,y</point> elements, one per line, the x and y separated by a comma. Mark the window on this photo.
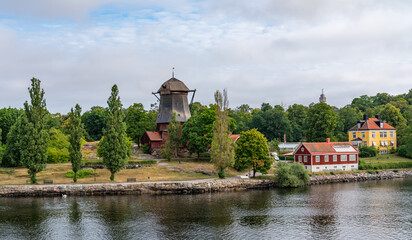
<point>354,135</point>
<point>305,158</point>
<point>335,166</point>
<point>381,134</point>
<point>317,158</point>
<point>317,167</point>
<point>326,158</point>
<point>352,157</point>
<point>373,134</point>
<point>335,158</point>
<point>374,143</point>
<point>385,134</point>
<point>343,158</point>
<point>391,134</point>
<point>363,134</point>
<point>300,158</point>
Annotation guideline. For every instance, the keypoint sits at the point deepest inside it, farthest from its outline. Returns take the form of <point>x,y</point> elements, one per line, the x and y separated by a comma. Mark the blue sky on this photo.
<point>262,51</point>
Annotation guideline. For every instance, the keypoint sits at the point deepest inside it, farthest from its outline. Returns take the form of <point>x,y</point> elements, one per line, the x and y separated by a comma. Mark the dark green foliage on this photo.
<point>365,151</point>
<point>8,116</point>
<point>197,132</point>
<point>95,120</point>
<point>274,145</point>
<point>321,122</point>
<point>297,115</point>
<point>291,175</point>
<point>2,150</point>
<point>393,165</point>
<point>404,151</point>
<point>195,108</point>
<point>172,144</point>
<point>146,149</point>
<point>242,116</point>
<point>221,174</point>
<point>142,162</point>
<point>138,121</point>
<point>252,151</point>
<point>75,139</point>
<point>82,173</point>
<point>114,145</point>
<point>348,117</point>
<point>35,138</point>
<point>393,116</point>
<point>272,122</point>
<point>58,147</point>
<point>12,156</point>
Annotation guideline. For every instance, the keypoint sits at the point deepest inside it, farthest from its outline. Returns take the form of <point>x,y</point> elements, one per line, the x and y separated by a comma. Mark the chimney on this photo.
<point>381,124</point>
<point>365,117</point>
<point>328,140</point>
<point>284,138</point>
<point>359,125</point>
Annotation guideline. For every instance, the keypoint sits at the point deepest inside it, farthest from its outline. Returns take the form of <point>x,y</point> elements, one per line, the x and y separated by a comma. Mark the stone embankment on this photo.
<point>181,187</point>
<point>358,177</point>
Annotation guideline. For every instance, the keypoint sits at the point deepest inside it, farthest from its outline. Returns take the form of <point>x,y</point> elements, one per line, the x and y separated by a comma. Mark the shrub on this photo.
<point>396,170</point>
<point>332,173</point>
<point>221,174</point>
<point>370,172</point>
<point>403,152</point>
<point>82,173</point>
<point>365,151</point>
<point>291,175</point>
<point>146,149</point>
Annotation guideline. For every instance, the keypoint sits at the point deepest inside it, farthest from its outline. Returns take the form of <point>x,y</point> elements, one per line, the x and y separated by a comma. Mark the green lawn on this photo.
<point>385,158</point>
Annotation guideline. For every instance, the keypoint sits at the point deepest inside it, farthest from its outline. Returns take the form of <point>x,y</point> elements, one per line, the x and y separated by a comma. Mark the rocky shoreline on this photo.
<point>181,187</point>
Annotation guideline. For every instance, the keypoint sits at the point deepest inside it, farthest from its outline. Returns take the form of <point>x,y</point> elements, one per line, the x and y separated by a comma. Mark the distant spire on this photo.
<point>173,72</point>
<point>322,97</point>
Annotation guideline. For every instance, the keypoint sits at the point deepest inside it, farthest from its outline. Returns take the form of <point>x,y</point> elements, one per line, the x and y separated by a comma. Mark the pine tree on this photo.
<point>222,151</point>
<point>75,139</point>
<point>35,137</point>
<point>114,146</point>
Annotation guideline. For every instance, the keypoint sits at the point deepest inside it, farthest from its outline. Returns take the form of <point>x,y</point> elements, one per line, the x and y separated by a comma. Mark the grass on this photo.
<point>385,158</point>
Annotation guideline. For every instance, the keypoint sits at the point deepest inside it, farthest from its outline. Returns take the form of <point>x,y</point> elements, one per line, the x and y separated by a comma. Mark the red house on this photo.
<point>327,156</point>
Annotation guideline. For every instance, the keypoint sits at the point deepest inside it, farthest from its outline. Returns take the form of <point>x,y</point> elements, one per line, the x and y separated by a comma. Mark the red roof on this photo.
<point>153,136</point>
<point>372,124</point>
<point>234,137</point>
<point>329,147</point>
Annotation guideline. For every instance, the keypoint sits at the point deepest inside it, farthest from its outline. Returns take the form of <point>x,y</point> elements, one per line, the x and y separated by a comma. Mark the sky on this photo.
<point>274,51</point>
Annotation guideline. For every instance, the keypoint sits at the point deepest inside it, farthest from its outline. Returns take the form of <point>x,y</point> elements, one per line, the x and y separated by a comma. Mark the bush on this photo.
<point>332,173</point>
<point>221,174</point>
<point>291,175</point>
<point>403,152</point>
<point>146,149</point>
<point>365,151</point>
<point>82,173</point>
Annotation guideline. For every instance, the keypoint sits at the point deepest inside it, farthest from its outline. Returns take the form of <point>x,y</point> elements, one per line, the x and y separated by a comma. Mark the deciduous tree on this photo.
<point>114,146</point>
<point>75,139</point>
<point>321,122</point>
<point>221,151</point>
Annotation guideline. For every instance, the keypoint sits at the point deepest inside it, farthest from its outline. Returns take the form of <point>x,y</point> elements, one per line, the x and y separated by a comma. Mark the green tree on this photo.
<point>252,151</point>
<point>274,145</point>
<point>95,120</point>
<point>321,122</point>
<point>221,151</point>
<point>114,146</point>
<point>75,139</point>
<point>291,175</point>
<point>272,122</point>
<point>242,116</point>
<point>174,131</point>
<point>1,149</point>
<point>8,116</point>
<point>195,108</point>
<point>58,147</point>
<point>12,156</point>
<point>363,103</point>
<point>393,116</point>
<point>138,120</point>
<point>348,117</point>
<point>197,131</point>
<point>297,116</point>
<point>35,137</point>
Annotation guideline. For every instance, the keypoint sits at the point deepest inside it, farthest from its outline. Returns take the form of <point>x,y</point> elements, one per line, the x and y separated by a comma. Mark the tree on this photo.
<point>1,148</point>
<point>272,122</point>
<point>349,116</point>
<point>291,174</point>
<point>12,155</point>
<point>274,145</point>
<point>58,147</point>
<point>95,120</point>
<point>35,137</point>
<point>75,139</point>
<point>243,117</point>
<point>393,116</point>
<point>321,122</point>
<point>174,131</point>
<point>8,116</point>
<point>114,146</point>
<point>252,151</point>
<point>138,121</point>
<point>197,131</point>
<point>297,116</point>
<point>363,102</point>
<point>221,151</point>
<point>195,108</point>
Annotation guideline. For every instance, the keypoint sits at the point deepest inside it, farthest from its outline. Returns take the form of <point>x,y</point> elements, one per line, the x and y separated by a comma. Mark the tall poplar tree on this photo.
<point>222,151</point>
<point>114,146</point>
<point>35,137</point>
<point>75,139</point>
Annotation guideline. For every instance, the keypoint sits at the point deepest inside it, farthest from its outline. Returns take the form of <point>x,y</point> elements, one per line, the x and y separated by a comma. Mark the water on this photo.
<point>372,210</point>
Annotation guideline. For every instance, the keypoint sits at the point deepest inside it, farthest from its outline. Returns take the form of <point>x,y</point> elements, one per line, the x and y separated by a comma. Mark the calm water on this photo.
<point>373,210</point>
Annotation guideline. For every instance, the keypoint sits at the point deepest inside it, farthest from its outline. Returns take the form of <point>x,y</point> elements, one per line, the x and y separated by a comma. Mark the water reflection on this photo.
<point>336,211</point>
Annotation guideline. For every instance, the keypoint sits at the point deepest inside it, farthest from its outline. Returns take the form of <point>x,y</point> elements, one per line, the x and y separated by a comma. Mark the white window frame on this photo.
<point>363,134</point>
<point>305,158</point>
<point>353,134</point>
<point>381,134</point>
<point>326,158</point>
<point>300,158</point>
<point>343,158</point>
<point>317,158</point>
<point>373,135</point>
<point>391,134</point>
<point>352,157</point>
<point>335,158</point>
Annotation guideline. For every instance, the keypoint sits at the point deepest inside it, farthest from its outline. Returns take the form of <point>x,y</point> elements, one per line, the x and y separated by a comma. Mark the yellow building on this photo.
<point>373,132</point>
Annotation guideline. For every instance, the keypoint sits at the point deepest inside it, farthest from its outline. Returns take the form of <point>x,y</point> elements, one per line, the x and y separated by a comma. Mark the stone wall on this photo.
<point>358,177</point>
<point>181,187</point>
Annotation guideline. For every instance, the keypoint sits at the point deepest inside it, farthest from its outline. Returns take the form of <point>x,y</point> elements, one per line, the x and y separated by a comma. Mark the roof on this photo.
<point>289,145</point>
<point>153,136</point>
<point>329,147</point>
<point>357,139</point>
<point>234,137</point>
<point>372,124</point>
<point>173,85</point>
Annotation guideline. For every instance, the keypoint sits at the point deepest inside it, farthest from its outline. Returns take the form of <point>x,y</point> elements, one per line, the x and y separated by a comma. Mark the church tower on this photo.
<point>322,97</point>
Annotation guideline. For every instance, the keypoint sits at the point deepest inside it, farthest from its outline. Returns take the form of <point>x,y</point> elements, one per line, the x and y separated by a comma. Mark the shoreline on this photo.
<point>181,187</point>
